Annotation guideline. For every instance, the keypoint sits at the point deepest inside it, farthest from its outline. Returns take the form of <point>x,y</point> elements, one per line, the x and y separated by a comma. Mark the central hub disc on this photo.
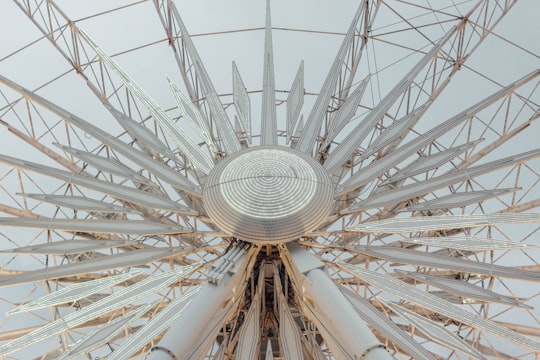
<point>268,194</point>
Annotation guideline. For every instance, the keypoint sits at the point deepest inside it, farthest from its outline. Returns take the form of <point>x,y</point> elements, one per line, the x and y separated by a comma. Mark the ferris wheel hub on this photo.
<point>268,194</point>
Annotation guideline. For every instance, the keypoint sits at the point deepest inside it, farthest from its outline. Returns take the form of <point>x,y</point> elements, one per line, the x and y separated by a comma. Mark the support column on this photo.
<point>342,326</point>
<point>187,334</point>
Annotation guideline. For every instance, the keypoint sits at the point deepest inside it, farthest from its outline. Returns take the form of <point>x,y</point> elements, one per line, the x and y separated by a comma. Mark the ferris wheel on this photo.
<point>251,180</point>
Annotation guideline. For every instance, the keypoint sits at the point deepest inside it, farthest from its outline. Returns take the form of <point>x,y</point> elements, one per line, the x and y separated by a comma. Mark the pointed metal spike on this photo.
<point>464,289</point>
<point>435,331</point>
<point>401,193</point>
<point>142,135</point>
<point>193,116</point>
<point>444,222</point>
<point>372,171</point>
<point>104,333</point>
<point>198,157</point>
<point>469,243</point>
<point>459,199</point>
<point>104,164</point>
<point>72,293</point>
<point>431,162</point>
<point>395,132</point>
<point>241,101</point>
<point>344,150</point>
<point>159,323</point>
<point>387,327</point>
<point>69,246</point>
<point>314,122</point>
<point>426,163</point>
<point>131,227</point>
<point>346,111</point>
<point>295,101</point>
<point>80,203</point>
<point>416,296</point>
<point>268,113</point>
<point>221,119</point>
<point>409,256</point>
<point>144,198</point>
<point>128,295</point>
<point>160,170</point>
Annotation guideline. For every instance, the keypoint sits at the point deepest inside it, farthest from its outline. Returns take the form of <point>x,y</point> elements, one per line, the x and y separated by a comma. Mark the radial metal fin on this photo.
<point>141,134</point>
<point>444,222</point>
<point>197,156</point>
<point>123,297</point>
<point>459,199</point>
<point>346,111</point>
<point>249,333</point>
<point>416,296</point>
<point>268,113</point>
<point>158,169</point>
<point>127,259</point>
<point>192,114</point>
<point>295,101</point>
<point>468,243</point>
<point>464,289</point>
<point>226,131</point>
<point>289,335</point>
<point>344,150</point>
<point>65,247</point>
<point>401,193</point>
<point>395,132</point>
<point>385,326</point>
<point>157,324</point>
<point>390,160</point>
<point>315,119</point>
<point>104,333</point>
<point>241,102</point>
<point>435,331</point>
<point>144,198</point>
<point>80,203</point>
<point>128,227</point>
<point>72,293</point>
<point>409,256</point>
<point>104,164</point>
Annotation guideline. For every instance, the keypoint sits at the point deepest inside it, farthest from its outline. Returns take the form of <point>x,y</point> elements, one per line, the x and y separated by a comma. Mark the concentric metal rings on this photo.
<point>268,194</point>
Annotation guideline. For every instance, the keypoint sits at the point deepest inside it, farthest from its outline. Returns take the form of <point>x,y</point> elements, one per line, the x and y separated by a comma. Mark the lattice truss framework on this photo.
<point>429,245</point>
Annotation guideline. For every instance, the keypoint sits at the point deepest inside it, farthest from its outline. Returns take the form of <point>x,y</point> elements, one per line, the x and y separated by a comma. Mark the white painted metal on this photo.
<point>295,100</point>
<point>81,203</point>
<point>72,293</point>
<point>344,150</point>
<point>448,222</point>
<point>315,119</point>
<point>410,293</point>
<point>328,301</point>
<point>104,334</point>
<point>408,256</point>
<point>129,227</point>
<point>268,112</point>
<point>435,331</point>
<point>157,325</point>
<point>111,302</point>
<point>464,290</point>
<point>130,194</point>
<point>66,247</point>
<point>242,102</point>
<point>373,316</point>
<point>189,330</point>
<point>158,169</point>
<point>268,194</point>
<point>200,159</point>
<point>128,259</point>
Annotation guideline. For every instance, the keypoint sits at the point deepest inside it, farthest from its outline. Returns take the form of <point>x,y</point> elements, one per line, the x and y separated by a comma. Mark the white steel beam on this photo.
<point>343,323</point>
